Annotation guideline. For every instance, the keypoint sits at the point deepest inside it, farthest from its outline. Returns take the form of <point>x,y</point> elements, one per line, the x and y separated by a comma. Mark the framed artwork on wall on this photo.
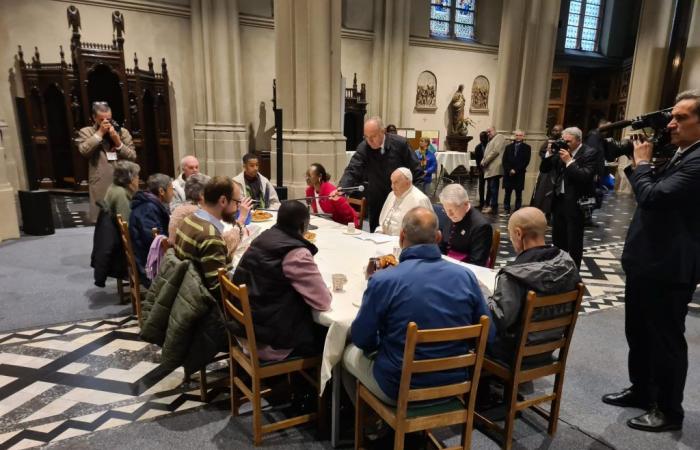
<point>426,91</point>
<point>480,95</point>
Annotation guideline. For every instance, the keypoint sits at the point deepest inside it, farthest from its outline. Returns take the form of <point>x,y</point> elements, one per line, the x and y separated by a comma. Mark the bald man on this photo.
<point>542,268</point>
<point>189,165</point>
<point>376,158</point>
<point>403,197</point>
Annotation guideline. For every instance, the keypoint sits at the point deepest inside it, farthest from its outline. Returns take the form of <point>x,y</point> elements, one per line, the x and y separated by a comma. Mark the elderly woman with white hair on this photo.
<point>403,197</point>
<point>471,234</point>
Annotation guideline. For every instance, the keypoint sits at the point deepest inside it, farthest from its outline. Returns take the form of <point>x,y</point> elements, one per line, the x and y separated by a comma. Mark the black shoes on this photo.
<point>654,421</point>
<point>627,398</point>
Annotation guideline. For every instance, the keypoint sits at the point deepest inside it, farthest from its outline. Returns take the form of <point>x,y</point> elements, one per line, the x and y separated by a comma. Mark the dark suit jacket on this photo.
<point>472,236</point>
<point>370,166</point>
<point>578,177</point>
<point>663,240</point>
<point>518,163</point>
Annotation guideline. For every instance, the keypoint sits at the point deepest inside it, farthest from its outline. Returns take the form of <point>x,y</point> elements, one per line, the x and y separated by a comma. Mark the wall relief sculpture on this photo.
<point>480,95</point>
<point>425,92</point>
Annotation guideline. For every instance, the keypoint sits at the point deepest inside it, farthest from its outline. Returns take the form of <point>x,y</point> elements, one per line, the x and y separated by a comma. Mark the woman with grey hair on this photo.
<point>471,234</point>
<point>125,182</point>
<point>194,190</point>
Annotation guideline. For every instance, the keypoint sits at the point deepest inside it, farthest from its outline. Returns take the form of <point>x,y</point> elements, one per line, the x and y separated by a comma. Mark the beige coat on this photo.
<point>100,170</point>
<point>493,156</point>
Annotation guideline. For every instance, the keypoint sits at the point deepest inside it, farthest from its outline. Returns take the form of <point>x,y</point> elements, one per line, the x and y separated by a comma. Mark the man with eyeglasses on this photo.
<point>103,146</point>
<point>376,158</point>
<point>572,169</point>
<point>199,236</point>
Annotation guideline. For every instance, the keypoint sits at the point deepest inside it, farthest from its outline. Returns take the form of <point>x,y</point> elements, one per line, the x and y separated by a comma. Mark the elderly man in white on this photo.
<point>403,197</point>
<point>189,166</point>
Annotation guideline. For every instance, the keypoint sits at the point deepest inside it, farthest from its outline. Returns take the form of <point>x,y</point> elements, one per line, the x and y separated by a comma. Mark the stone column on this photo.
<point>525,60</point>
<point>392,20</point>
<point>220,138</point>
<point>650,52</point>
<point>307,66</point>
<point>9,226</point>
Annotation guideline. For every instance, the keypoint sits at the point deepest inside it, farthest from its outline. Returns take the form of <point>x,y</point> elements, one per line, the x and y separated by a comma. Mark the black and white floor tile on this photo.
<point>65,381</point>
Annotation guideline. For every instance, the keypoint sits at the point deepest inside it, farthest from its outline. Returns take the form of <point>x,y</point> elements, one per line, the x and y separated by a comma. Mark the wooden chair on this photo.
<point>257,370</point>
<point>521,372</point>
<point>459,398</point>
<point>134,279</point>
<point>361,207</point>
<point>495,245</point>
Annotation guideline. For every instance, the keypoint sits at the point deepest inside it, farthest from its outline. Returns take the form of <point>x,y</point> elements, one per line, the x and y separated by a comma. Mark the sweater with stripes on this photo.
<point>199,241</point>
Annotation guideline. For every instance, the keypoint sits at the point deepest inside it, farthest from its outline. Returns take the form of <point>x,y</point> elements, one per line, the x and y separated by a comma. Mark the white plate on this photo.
<point>355,233</point>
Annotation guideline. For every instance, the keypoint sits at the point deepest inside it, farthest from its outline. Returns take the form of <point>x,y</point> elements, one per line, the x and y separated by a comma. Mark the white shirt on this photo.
<point>396,207</point>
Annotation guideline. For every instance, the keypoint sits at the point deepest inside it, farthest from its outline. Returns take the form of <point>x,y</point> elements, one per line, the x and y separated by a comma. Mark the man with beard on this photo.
<point>198,238</point>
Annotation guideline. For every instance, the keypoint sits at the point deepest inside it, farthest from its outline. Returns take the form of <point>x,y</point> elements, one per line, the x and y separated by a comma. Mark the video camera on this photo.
<point>657,121</point>
<point>559,144</point>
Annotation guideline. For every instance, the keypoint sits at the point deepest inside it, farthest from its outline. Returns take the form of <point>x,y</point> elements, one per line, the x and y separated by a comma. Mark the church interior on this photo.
<point>293,83</point>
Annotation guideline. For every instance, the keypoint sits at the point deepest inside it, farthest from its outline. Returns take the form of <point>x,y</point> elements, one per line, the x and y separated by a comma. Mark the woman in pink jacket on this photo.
<point>318,186</point>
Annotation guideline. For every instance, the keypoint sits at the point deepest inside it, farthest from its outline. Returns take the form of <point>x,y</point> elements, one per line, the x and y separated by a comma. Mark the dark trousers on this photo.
<point>492,192</point>
<point>375,201</point>
<point>518,198</point>
<point>658,353</point>
<point>567,227</point>
<point>482,186</point>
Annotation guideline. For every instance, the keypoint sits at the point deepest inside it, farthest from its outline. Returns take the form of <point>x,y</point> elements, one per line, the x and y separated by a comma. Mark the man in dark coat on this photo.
<point>375,159</point>
<point>478,156</point>
<point>515,160</point>
<point>542,196</point>
<point>573,169</point>
<point>661,260</point>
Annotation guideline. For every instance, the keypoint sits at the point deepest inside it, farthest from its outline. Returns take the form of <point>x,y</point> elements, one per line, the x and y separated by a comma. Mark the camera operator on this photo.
<point>572,165</point>
<point>103,145</point>
<point>661,260</point>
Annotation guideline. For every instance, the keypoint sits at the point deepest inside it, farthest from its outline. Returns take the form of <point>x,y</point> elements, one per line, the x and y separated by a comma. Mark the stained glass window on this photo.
<point>583,27</point>
<point>452,19</point>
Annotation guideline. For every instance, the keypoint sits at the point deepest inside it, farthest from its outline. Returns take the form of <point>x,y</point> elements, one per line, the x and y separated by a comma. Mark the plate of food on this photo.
<point>260,216</point>
<point>309,236</point>
<point>387,261</point>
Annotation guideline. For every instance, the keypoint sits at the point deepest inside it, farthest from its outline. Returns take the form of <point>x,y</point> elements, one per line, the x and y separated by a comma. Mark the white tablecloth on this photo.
<point>342,253</point>
<point>451,160</point>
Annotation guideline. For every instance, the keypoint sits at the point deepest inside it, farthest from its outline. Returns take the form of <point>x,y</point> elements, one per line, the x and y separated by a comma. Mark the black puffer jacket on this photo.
<point>107,257</point>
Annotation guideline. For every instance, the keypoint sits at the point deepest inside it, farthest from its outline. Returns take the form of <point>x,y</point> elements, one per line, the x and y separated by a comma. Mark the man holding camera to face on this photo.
<point>572,166</point>
<point>103,144</point>
<point>661,260</point>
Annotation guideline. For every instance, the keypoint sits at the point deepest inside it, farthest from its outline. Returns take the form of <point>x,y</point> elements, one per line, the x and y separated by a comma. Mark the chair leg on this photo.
<point>511,398</point>
<point>203,387</point>
<point>233,370</point>
<point>554,407</point>
<point>468,427</point>
<point>257,413</point>
<point>399,437</point>
<point>359,418</point>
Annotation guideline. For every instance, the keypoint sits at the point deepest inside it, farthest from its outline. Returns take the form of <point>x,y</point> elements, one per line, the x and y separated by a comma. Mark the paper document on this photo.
<point>377,238</point>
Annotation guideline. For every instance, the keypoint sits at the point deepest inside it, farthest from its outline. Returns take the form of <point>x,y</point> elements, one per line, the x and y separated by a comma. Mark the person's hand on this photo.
<point>104,128</point>
<point>335,195</point>
<point>549,148</point>
<point>244,209</point>
<point>643,150</point>
<point>565,156</point>
<point>512,172</point>
<point>114,137</point>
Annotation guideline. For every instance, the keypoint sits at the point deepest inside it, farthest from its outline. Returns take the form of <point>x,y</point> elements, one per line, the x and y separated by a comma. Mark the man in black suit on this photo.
<point>573,169</point>
<point>661,260</point>
<point>515,160</point>
<point>375,159</point>
<point>478,156</point>
<point>542,196</point>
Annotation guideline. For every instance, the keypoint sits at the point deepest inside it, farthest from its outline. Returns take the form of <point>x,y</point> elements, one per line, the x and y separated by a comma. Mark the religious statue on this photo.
<point>118,23</point>
<point>458,123</point>
<point>73,18</point>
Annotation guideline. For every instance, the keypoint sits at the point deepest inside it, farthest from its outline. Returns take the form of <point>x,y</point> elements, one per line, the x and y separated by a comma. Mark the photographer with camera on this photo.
<point>103,144</point>
<point>572,166</point>
<point>661,260</point>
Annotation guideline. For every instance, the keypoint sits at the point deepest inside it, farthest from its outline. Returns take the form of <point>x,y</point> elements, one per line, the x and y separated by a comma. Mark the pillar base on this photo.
<point>304,147</point>
<point>220,147</point>
<point>9,227</point>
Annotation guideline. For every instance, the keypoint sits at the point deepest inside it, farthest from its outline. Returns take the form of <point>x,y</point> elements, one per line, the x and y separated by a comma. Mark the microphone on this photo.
<point>359,188</point>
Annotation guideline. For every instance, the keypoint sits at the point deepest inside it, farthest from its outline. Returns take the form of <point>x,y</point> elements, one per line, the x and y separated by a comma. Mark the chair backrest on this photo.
<point>473,356</point>
<point>566,321</point>
<point>495,245</point>
<point>239,310</point>
<point>361,207</point>
<point>134,279</point>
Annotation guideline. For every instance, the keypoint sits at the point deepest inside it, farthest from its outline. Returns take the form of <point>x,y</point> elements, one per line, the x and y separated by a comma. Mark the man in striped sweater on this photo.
<point>198,238</point>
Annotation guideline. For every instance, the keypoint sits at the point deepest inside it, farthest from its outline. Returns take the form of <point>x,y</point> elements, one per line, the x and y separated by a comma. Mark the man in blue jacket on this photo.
<point>424,289</point>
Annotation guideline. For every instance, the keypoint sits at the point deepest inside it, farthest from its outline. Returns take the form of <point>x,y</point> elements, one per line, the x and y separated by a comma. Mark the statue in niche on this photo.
<point>480,95</point>
<point>426,91</point>
<point>459,124</point>
<point>73,18</point>
<point>118,23</point>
